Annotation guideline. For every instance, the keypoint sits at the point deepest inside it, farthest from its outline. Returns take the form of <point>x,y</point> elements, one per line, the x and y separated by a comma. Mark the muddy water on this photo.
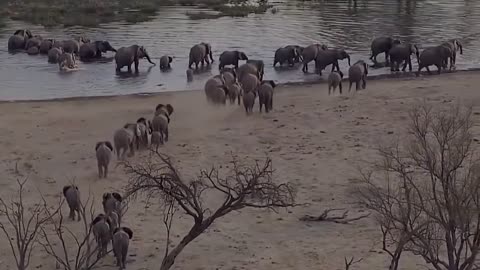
<point>170,31</point>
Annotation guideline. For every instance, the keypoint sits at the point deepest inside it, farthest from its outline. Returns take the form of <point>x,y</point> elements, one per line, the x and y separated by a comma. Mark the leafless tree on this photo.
<point>22,224</point>
<point>426,194</point>
<point>84,254</point>
<point>245,186</point>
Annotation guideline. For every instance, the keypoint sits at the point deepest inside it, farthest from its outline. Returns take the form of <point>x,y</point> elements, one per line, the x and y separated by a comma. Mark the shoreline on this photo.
<point>386,76</point>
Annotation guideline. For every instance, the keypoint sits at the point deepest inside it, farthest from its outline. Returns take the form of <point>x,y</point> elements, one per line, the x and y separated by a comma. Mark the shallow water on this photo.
<point>335,23</point>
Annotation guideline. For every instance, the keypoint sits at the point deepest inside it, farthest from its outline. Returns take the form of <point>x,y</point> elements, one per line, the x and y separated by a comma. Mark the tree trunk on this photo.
<point>169,260</point>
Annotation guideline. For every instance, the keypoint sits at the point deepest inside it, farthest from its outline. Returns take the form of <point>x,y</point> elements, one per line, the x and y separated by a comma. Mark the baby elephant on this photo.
<point>265,95</point>
<point>66,62</point>
<point>104,154</point>
<point>234,92</point>
<point>125,139</point>
<point>356,73</point>
<point>144,128</point>
<point>72,195</point>
<point>121,240</point>
<point>101,228</point>
<point>189,73</point>
<point>249,101</point>
<point>165,62</point>
<point>334,80</point>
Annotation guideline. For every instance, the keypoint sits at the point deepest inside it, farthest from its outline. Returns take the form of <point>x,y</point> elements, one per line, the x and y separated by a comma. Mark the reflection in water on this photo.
<point>337,23</point>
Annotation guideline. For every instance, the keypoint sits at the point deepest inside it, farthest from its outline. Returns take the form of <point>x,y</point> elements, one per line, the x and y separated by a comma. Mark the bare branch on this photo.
<point>351,262</point>
<point>336,219</point>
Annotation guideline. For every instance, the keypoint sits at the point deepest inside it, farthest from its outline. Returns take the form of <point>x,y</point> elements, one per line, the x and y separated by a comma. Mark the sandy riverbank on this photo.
<point>313,139</point>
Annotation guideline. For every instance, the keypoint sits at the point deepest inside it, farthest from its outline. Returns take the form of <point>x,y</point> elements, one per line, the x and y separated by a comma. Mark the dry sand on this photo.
<point>314,140</point>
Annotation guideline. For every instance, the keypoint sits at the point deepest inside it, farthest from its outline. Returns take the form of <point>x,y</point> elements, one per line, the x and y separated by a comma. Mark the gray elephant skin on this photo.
<point>330,57</point>
<point>19,39</point>
<point>72,196</point>
<point>156,139</point>
<point>454,46</point>
<point>216,90</point>
<point>234,92</point>
<point>126,56</point>
<point>255,67</point>
<point>299,49</point>
<point>334,81</point>
<point>124,139</point>
<point>189,73</point>
<point>166,110</point>
<point>358,73</point>
<point>46,45</point>
<point>260,65</point>
<point>249,83</point>
<point>33,51</point>
<point>249,101</point>
<point>437,56</point>
<point>382,45</point>
<point>200,53</point>
<point>103,151</point>
<point>265,95</point>
<point>101,228</point>
<point>121,241</point>
<point>66,61</point>
<point>54,55</point>
<point>310,54</point>
<point>401,53</point>
<point>144,128</point>
<point>94,50</point>
<point>161,120</point>
<point>33,45</point>
<point>285,55</point>
<point>165,62</point>
<point>231,58</point>
<point>73,45</point>
<point>229,75</point>
<point>112,202</point>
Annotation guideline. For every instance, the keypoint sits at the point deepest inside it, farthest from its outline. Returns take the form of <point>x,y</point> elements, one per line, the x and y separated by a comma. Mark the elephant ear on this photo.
<point>142,120</point>
<point>117,196</point>
<point>159,106</point>
<point>19,31</point>
<point>128,231</point>
<point>116,230</point>
<point>106,195</point>
<point>243,56</point>
<point>98,145</point>
<point>170,59</point>
<point>272,83</point>
<point>28,33</point>
<point>98,218</point>
<point>169,109</point>
<point>65,189</point>
<point>109,145</point>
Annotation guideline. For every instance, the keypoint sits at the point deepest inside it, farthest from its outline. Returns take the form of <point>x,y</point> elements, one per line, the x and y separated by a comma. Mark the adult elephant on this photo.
<point>286,55</point>
<point>125,56</point>
<point>35,41</point>
<point>254,67</point>
<point>19,40</point>
<point>299,49</point>
<point>382,45</point>
<point>454,46</point>
<point>94,50</point>
<point>73,45</point>
<point>46,45</point>
<point>310,53</point>
<point>199,53</point>
<point>216,90</point>
<point>231,58</point>
<point>330,57</point>
<point>401,53</point>
<point>437,56</point>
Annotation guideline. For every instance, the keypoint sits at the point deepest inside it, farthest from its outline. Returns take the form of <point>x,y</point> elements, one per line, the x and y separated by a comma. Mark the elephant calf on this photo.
<point>234,92</point>
<point>121,241</point>
<point>101,228</point>
<point>165,62</point>
<point>249,101</point>
<point>265,95</point>
<point>161,120</point>
<point>104,154</point>
<point>401,53</point>
<point>156,139</point>
<point>454,45</point>
<point>231,58</point>
<point>54,55</point>
<point>144,129</point>
<point>72,196</point>
<point>125,139</point>
<point>334,80</point>
<point>382,45</point>
<point>66,62</point>
<point>356,73</point>
<point>112,202</point>
<point>216,90</point>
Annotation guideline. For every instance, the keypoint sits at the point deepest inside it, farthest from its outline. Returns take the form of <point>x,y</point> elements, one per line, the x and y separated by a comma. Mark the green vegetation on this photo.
<point>94,12</point>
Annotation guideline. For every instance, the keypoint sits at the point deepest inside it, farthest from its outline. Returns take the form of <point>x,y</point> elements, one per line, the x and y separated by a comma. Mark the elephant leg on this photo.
<point>428,70</point>
<point>305,67</point>
<point>196,65</point>
<point>333,67</point>
<point>130,68</point>
<point>409,64</point>
<point>419,69</point>
<point>100,173</point>
<point>203,62</point>
<point>364,80</point>
<point>392,66</point>
<point>330,87</point>
<point>260,104</point>
<point>166,134</point>
<point>136,66</point>
<point>439,68</point>
<point>72,214</point>
<point>291,62</point>
<point>350,88</point>
<point>105,172</point>
<point>117,69</point>
<point>357,85</point>
<point>387,58</point>
<point>405,65</point>
<point>340,87</point>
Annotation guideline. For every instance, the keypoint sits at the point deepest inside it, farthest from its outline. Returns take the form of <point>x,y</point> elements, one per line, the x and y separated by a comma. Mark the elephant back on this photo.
<point>198,52</point>
<point>46,45</point>
<point>249,82</point>
<point>16,42</point>
<point>159,123</point>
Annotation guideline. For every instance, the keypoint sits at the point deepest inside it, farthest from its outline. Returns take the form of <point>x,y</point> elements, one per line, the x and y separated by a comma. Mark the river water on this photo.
<point>335,23</point>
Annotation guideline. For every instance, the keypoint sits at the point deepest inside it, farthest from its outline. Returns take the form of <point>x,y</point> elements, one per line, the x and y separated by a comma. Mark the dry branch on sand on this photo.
<point>244,187</point>
<point>352,261</point>
<point>426,194</point>
<point>343,219</point>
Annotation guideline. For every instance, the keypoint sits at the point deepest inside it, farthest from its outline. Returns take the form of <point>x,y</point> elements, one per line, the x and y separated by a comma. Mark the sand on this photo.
<point>315,141</point>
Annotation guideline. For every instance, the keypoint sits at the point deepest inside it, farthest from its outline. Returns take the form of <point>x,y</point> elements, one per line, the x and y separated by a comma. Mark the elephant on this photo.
<point>125,56</point>
<point>231,58</point>
<point>229,75</point>
<point>437,56</point>
<point>382,45</point>
<point>166,110</point>
<point>161,120</point>
<point>200,53</point>
<point>454,46</point>
<point>121,239</point>
<point>19,39</point>
<point>144,128</point>
<point>94,50</point>
<point>73,45</point>
<point>265,95</point>
<point>299,58</point>
<point>285,54</point>
<point>330,57</point>
<point>66,61</point>
<point>234,92</point>
<point>72,196</point>
<point>189,73</point>
<point>33,51</point>
<point>165,62</point>
<point>156,139</point>
<point>35,41</point>
<point>260,65</point>
<point>104,154</point>
<point>46,45</point>
<point>124,139</point>
<point>401,53</point>
<point>101,228</point>
<point>249,101</point>
<point>54,55</point>
<point>334,80</point>
<point>356,73</point>
<point>310,54</point>
<point>249,83</point>
<point>255,68</point>
<point>216,90</point>
<point>112,202</point>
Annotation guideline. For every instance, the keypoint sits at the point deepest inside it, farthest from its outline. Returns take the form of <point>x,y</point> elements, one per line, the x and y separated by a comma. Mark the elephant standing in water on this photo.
<point>310,54</point>
<point>286,55</point>
<point>125,56</point>
<point>94,50</point>
<point>437,56</point>
<point>330,57</point>
<point>454,46</point>
<point>19,40</point>
<point>231,58</point>
<point>299,49</point>
<point>46,45</point>
<point>401,53</point>
<point>73,45</point>
<point>382,45</point>
<point>33,45</point>
<point>200,53</point>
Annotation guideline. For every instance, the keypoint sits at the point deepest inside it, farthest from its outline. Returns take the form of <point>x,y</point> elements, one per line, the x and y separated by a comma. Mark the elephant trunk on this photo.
<point>148,58</point>
<point>461,48</point>
<point>348,57</point>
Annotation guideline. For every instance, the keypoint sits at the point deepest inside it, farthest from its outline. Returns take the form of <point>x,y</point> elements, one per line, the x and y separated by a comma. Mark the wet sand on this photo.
<point>315,141</point>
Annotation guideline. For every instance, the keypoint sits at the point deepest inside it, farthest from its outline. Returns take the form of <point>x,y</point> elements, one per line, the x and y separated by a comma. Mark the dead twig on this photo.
<point>351,262</point>
<point>343,219</point>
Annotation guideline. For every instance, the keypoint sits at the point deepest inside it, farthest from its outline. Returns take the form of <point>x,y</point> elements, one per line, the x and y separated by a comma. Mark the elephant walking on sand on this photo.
<point>121,241</point>
<point>401,53</point>
<point>72,196</point>
<point>231,58</point>
<point>160,121</point>
<point>216,90</point>
<point>101,228</point>
<point>330,57</point>
<point>125,139</point>
<point>200,53</point>
<point>382,45</point>
<point>437,56</point>
<point>334,81</point>
<point>126,56</point>
<point>358,73</point>
<point>19,39</point>
<point>103,152</point>
<point>310,54</point>
<point>265,95</point>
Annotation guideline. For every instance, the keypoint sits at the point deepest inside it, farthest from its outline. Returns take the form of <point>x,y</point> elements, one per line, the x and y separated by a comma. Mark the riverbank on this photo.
<point>314,140</point>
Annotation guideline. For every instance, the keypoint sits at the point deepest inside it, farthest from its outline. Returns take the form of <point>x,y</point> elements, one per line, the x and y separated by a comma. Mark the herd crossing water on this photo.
<point>335,23</point>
